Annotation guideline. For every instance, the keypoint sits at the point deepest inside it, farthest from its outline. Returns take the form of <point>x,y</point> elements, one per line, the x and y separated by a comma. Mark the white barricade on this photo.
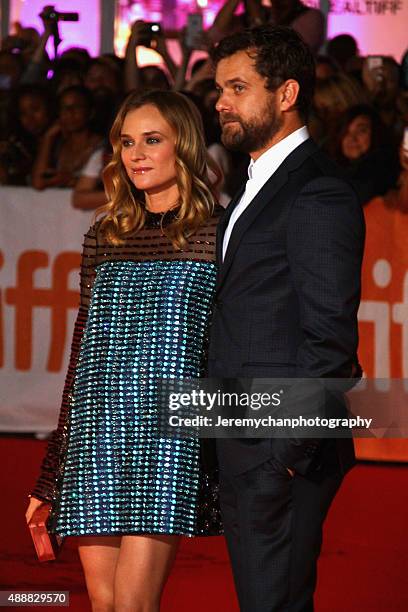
<point>41,237</point>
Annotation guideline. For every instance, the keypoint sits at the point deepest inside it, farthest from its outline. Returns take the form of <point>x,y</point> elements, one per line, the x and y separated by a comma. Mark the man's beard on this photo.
<point>253,135</point>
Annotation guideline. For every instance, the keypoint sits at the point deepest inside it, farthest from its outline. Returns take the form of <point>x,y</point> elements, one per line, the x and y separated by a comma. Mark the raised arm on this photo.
<point>161,47</point>
<point>133,78</point>
<point>36,70</point>
<point>223,19</point>
<point>133,75</point>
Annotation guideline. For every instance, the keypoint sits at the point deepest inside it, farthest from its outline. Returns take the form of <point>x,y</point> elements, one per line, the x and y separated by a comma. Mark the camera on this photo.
<point>150,30</point>
<point>49,13</point>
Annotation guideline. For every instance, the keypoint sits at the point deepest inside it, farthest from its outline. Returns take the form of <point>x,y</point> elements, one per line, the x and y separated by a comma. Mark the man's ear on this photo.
<point>289,94</point>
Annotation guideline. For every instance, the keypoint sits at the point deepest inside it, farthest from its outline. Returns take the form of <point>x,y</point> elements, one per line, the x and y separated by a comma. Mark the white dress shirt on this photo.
<point>260,171</point>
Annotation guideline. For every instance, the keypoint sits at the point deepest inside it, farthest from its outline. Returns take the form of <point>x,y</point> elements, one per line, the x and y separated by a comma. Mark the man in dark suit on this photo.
<point>290,247</point>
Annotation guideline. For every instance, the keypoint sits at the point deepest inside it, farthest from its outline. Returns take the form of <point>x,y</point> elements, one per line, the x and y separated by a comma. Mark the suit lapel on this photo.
<point>223,223</point>
<point>260,201</point>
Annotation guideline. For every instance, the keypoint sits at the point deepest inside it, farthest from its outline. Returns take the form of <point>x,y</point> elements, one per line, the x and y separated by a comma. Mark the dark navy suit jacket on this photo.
<point>287,297</point>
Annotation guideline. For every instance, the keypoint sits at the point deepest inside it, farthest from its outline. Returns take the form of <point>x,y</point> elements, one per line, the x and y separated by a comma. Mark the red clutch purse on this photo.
<point>47,545</point>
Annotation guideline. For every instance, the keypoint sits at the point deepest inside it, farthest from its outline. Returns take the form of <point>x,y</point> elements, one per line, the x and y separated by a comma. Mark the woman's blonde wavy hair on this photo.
<point>125,211</point>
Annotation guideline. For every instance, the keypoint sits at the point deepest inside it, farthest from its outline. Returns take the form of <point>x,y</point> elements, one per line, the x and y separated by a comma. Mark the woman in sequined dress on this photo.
<point>147,282</point>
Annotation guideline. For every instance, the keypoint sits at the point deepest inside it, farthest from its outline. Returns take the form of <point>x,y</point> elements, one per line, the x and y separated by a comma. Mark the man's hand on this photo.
<point>291,472</point>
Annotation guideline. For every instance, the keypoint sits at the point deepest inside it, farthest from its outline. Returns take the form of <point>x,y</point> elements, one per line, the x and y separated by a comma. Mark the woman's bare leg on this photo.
<point>99,556</point>
<point>142,569</point>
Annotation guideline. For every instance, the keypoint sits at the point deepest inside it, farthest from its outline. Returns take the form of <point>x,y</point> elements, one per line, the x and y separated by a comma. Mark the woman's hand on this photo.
<point>34,504</point>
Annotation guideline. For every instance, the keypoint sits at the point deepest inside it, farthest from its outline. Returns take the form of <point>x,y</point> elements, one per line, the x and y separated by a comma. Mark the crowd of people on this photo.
<point>55,116</point>
<point>172,288</point>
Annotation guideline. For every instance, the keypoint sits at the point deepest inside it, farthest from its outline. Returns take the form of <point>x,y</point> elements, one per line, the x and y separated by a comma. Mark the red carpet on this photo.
<point>363,566</point>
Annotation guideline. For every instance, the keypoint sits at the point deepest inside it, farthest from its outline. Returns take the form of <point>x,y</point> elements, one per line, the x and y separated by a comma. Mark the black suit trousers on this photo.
<point>273,526</point>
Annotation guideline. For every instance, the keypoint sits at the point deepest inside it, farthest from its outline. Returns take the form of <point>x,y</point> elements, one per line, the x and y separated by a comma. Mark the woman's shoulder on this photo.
<point>204,238</point>
<point>210,225</point>
<point>93,232</point>
<point>217,213</point>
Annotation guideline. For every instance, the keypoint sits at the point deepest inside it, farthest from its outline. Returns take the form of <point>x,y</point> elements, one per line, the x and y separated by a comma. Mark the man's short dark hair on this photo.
<point>279,54</point>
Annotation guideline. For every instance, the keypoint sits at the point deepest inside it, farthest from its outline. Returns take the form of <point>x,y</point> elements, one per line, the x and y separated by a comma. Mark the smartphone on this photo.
<point>150,30</point>
<point>194,29</point>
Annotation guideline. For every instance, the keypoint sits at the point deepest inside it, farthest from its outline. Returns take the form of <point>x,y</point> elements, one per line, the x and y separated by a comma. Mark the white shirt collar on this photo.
<point>269,162</point>
<point>260,171</point>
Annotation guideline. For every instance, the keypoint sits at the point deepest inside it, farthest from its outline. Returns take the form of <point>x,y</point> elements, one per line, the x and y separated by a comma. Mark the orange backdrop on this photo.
<point>383,313</point>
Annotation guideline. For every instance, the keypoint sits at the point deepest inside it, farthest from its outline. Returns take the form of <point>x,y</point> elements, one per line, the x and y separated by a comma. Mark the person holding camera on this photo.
<point>306,21</point>
<point>151,77</point>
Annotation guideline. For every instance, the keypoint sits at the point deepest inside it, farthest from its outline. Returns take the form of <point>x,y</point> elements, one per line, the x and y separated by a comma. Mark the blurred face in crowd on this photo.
<point>73,112</point>
<point>101,79</point>
<point>68,78</point>
<point>33,114</point>
<point>154,78</point>
<point>149,150</point>
<point>249,113</point>
<point>391,82</point>
<point>210,100</point>
<point>10,70</point>
<point>357,139</point>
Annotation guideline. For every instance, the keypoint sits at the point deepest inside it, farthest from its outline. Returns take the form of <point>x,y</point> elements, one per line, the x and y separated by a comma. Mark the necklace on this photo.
<point>161,218</point>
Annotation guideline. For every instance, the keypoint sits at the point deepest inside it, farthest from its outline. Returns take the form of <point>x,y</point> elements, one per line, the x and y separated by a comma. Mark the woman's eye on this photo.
<point>126,143</point>
<point>152,140</point>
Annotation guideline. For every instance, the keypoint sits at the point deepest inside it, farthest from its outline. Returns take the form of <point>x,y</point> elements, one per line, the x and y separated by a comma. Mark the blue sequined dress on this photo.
<point>144,316</point>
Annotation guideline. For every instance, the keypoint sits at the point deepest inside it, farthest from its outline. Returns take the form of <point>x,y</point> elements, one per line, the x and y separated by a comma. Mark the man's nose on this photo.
<point>223,103</point>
